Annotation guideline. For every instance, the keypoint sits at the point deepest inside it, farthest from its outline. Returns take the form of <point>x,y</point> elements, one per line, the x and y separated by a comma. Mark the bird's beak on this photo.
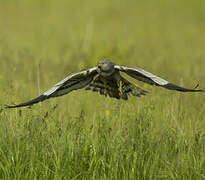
<point>99,65</point>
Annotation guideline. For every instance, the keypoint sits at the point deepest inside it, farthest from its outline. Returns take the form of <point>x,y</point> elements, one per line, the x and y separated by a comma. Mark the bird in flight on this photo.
<point>106,79</point>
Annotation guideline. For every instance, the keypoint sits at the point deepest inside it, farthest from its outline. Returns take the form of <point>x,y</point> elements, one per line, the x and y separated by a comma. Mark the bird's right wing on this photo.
<point>72,82</point>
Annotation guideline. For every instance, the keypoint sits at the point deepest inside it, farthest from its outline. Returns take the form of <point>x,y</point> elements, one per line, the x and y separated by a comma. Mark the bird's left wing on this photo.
<point>72,82</point>
<point>152,79</point>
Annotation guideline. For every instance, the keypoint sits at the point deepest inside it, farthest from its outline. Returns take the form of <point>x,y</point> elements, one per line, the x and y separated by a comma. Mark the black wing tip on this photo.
<point>10,106</point>
<point>15,106</point>
<point>171,86</point>
<point>29,103</point>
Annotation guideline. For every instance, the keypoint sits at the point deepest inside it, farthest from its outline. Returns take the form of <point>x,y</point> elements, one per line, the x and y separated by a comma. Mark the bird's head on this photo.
<point>105,67</point>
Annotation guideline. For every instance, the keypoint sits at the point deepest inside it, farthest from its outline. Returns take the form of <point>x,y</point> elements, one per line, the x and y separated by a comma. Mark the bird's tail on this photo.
<point>136,91</point>
<point>129,88</point>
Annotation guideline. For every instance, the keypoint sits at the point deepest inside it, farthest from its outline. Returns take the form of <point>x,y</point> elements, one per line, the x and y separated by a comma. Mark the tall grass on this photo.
<point>84,135</point>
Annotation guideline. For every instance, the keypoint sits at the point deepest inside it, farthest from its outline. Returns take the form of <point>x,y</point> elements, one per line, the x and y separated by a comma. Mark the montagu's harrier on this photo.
<point>105,78</point>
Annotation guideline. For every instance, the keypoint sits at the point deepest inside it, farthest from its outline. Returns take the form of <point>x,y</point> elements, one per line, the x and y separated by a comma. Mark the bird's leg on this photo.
<point>120,89</point>
<point>105,92</point>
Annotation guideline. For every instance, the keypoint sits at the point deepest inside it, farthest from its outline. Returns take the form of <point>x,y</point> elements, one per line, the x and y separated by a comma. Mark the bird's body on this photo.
<point>114,86</point>
<point>106,79</point>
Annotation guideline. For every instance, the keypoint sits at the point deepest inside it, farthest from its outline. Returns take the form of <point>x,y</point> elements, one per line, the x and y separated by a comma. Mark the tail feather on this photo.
<point>138,92</point>
<point>129,88</point>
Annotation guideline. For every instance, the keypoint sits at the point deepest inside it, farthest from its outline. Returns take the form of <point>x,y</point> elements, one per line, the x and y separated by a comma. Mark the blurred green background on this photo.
<point>42,41</point>
<point>164,37</point>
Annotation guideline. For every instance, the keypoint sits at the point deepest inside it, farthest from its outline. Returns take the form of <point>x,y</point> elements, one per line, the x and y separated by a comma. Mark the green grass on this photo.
<point>84,135</point>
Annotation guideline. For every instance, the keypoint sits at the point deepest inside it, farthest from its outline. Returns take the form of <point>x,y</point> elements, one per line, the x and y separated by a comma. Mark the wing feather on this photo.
<point>149,78</point>
<point>72,82</point>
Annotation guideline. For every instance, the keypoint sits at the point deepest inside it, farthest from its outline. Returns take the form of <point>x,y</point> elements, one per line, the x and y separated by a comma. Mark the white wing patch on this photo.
<point>59,84</point>
<point>155,78</point>
<point>152,77</point>
<point>50,91</point>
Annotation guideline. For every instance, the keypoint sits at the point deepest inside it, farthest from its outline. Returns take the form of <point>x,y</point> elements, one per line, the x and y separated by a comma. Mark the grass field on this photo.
<point>84,135</point>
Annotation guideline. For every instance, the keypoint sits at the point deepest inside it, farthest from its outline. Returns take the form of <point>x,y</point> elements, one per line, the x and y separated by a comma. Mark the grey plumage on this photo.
<point>106,79</point>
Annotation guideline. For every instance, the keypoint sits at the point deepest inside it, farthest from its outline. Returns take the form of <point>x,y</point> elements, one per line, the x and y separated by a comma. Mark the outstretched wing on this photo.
<point>72,82</point>
<point>152,79</point>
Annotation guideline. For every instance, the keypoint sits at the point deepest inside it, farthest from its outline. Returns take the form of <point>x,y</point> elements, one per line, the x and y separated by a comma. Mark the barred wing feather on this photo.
<point>72,82</point>
<point>152,79</point>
